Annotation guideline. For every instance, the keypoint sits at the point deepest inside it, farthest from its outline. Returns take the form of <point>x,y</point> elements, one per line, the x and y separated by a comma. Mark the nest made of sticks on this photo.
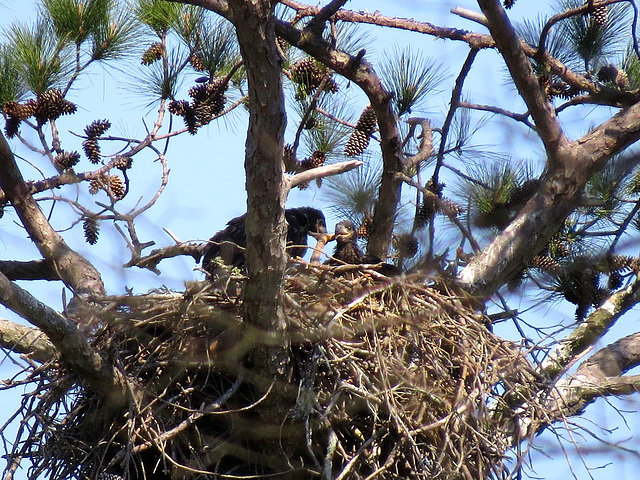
<point>370,378</point>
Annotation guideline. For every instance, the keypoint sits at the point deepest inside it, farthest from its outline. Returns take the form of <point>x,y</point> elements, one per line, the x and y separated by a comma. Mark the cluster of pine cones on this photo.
<point>47,106</point>
<point>308,74</point>
<point>207,101</point>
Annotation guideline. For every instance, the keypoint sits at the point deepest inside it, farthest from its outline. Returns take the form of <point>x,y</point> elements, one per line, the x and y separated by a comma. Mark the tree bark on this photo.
<point>266,184</point>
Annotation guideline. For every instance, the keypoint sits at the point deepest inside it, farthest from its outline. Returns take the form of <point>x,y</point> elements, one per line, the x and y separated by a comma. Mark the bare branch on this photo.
<point>98,374</point>
<point>77,273</point>
<point>26,340</point>
<point>321,172</point>
<point>152,260</point>
<point>426,144</point>
<point>33,270</point>
<point>590,330</point>
<point>525,79</point>
<point>598,376</point>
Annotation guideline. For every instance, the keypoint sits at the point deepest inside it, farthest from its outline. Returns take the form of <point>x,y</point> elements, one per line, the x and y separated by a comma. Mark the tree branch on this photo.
<point>321,172</point>
<point>152,260</point>
<point>77,273</point>
<point>525,79</point>
<point>98,374</point>
<point>590,330</point>
<point>33,270</point>
<point>359,71</point>
<point>26,340</point>
<point>598,376</point>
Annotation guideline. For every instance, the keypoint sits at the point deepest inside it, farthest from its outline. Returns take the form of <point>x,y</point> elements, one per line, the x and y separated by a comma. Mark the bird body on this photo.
<point>229,244</point>
<point>347,250</point>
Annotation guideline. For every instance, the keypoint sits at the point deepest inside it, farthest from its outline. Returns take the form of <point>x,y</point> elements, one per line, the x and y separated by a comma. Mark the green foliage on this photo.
<point>491,192</point>
<point>325,135</point>
<point>557,44</point>
<point>410,76</point>
<point>350,38</point>
<point>160,80</point>
<point>159,15</point>
<point>631,65</point>
<point>353,195</point>
<point>190,24</point>
<point>76,20</point>
<point>11,84</point>
<point>116,35</point>
<point>591,41</point>
<point>216,46</point>
<point>39,54</point>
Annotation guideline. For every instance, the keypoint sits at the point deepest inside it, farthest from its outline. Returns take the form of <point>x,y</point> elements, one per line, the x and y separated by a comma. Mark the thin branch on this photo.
<point>426,143</point>
<point>316,24</point>
<point>152,260</point>
<point>520,117</point>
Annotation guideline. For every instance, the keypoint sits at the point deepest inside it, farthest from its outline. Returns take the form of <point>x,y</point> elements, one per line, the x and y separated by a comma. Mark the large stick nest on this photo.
<point>369,378</point>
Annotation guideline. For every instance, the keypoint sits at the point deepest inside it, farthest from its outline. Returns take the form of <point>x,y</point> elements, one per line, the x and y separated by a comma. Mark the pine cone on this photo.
<point>508,3</point>
<point>621,263</point>
<point>67,160</point>
<point>358,142</point>
<point>117,186</point>
<point>91,150</point>
<point>20,111</point>
<point>51,105</point>
<point>600,15</point>
<point>196,62</point>
<point>545,263</point>
<point>365,226</point>
<point>122,162</point>
<point>90,227</point>
<point>96,185</point>
<point>317,159</point>
<point>97,128</point>
<point>608,73</point>
<point>406,245</point>
<point>622,80</point>
<point>307,74</point>
<point>367,122</point>
<point>450,207</point>
<point>615,281</point>
<point>153,53</point>
<point>426,211</point>
<point>12,126</point>
<point>178,107</point>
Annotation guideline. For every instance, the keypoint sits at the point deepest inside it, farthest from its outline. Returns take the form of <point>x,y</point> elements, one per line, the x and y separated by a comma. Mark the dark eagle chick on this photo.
<point>229,244</point>
<point>347,250</point>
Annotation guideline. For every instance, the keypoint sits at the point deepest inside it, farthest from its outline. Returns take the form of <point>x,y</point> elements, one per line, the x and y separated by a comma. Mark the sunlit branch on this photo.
<point>321,172</point>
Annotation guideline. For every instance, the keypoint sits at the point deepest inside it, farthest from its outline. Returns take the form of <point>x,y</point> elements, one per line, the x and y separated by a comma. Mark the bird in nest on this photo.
<point>347,250</point>
<point>229,244</point>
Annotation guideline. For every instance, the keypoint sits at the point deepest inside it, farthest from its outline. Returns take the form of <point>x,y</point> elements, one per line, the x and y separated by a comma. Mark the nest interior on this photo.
<point>370,378</point>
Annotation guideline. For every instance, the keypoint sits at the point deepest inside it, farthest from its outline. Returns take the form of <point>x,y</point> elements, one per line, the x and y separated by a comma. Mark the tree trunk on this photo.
<point>265,227</point>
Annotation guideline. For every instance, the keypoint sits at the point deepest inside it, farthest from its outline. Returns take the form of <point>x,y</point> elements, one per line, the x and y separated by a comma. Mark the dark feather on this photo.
<point>229,244</point>
<point>347,250</point>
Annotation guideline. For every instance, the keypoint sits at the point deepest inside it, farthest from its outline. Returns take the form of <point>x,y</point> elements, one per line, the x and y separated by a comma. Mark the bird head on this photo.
<point>345,232</point>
